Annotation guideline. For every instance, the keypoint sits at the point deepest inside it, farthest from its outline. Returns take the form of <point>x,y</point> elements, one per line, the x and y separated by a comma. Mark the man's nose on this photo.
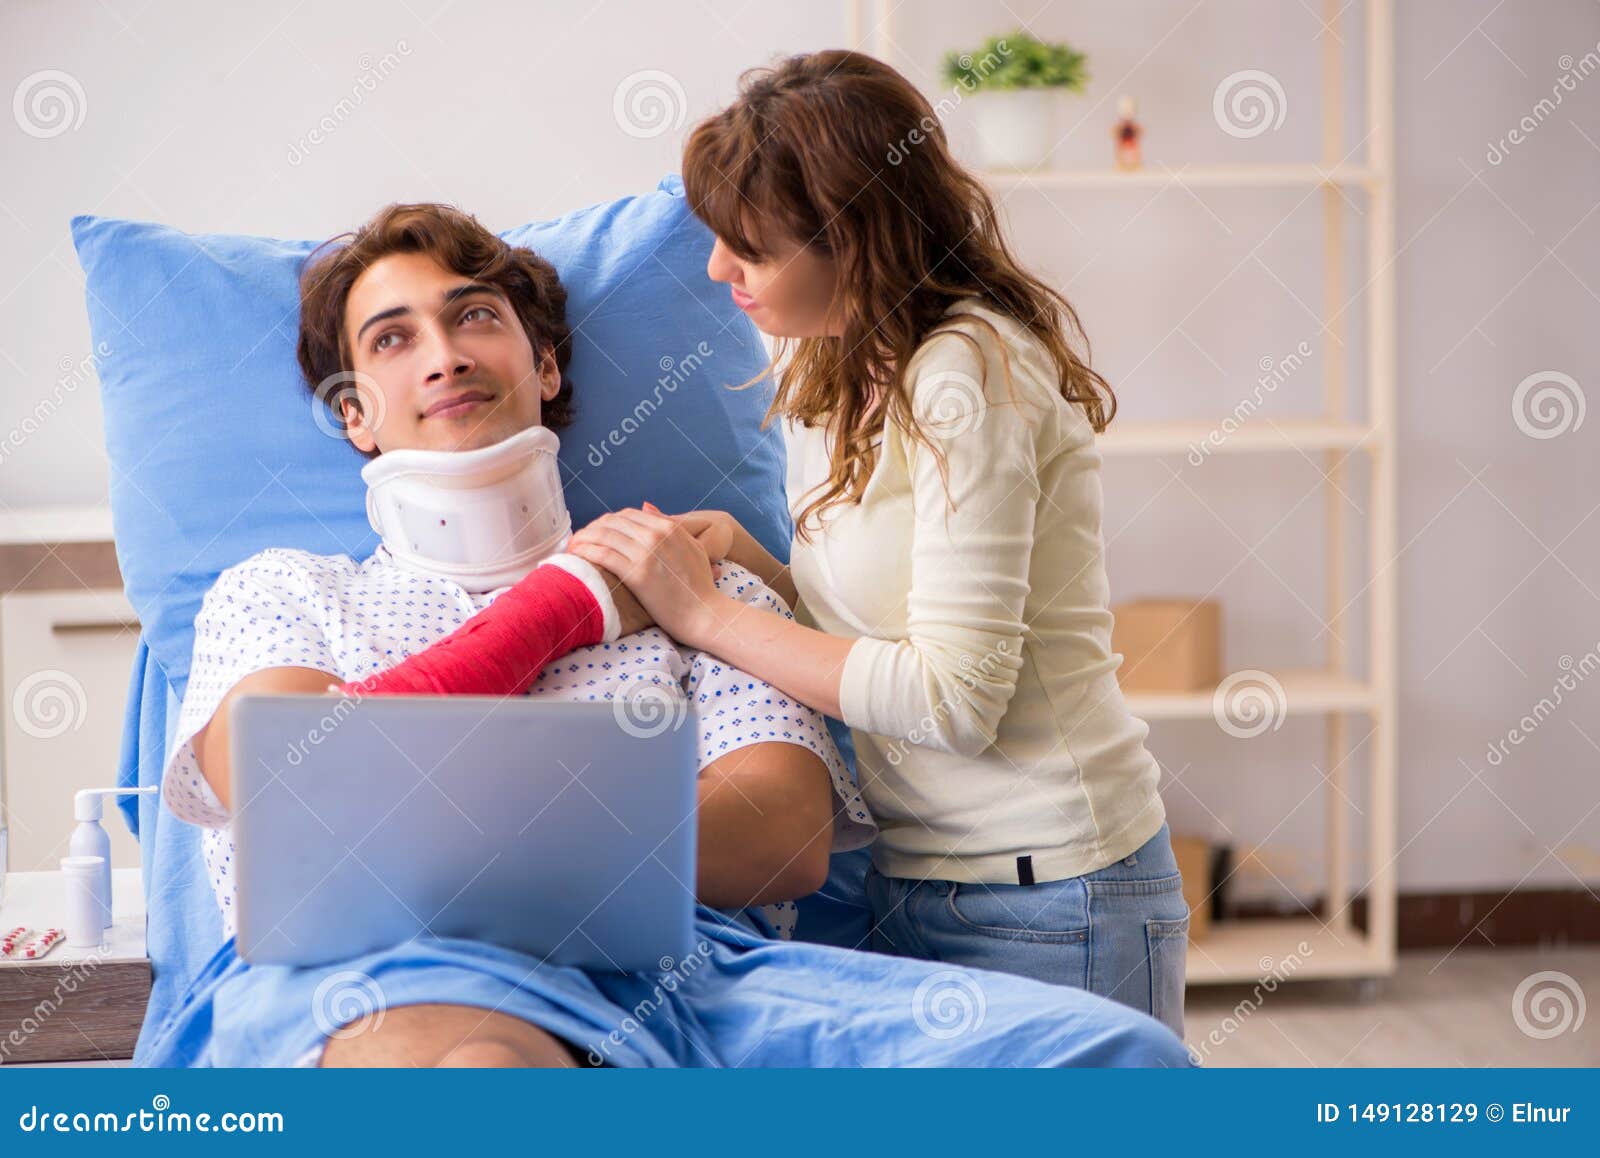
<point>446,360</point>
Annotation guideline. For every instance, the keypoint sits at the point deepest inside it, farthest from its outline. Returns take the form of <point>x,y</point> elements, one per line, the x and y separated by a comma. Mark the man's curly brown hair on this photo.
<point>456,241</point>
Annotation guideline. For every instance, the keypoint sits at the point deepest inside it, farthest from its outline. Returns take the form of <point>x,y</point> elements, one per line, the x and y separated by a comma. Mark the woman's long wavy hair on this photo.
<point>840,153</point>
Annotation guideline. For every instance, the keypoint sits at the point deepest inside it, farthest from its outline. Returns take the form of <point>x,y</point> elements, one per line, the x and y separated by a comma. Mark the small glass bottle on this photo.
<point>1127,134</point>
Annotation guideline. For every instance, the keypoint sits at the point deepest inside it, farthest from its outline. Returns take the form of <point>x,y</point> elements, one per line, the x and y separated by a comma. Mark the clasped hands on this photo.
<point>666,561</point>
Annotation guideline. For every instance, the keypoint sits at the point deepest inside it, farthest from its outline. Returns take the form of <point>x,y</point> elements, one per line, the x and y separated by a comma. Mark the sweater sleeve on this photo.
<point>948,683</point>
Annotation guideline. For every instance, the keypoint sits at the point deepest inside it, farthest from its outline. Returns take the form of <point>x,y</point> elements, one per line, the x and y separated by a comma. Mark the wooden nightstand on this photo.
<point>76,1004</point>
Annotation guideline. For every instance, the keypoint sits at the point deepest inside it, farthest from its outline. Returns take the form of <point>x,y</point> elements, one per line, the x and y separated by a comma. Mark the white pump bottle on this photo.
<point>89,839</point>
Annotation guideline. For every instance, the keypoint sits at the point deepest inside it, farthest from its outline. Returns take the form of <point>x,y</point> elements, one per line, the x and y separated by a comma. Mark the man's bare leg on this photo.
<point>445,1035</point>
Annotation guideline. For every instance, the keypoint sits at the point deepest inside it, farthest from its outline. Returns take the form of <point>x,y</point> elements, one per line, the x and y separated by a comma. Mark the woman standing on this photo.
<point>948,557</point>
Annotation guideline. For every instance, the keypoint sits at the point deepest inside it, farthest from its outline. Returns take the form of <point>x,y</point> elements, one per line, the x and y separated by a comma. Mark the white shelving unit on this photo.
<point>1243,951</point>
<point>1213,176</point>
<point>1262,434</point>
<point>90,524</point>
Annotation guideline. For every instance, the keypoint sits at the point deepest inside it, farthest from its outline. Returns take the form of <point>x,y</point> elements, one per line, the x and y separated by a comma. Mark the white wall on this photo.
<point>198,115</point>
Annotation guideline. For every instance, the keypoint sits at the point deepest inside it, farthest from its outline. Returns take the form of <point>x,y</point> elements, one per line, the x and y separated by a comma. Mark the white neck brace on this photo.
<point>482,518</point>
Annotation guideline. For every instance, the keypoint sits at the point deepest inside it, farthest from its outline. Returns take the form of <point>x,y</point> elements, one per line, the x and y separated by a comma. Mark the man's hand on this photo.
<point>662,563</point>
<point>630,612</point>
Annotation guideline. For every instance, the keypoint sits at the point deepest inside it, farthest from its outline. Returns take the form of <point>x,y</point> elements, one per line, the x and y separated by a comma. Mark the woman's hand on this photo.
<point>715,531</point>
<point>662,562</point>
<point>723,537</point>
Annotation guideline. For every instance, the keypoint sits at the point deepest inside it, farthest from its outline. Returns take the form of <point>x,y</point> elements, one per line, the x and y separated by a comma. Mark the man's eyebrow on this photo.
<point>450,295</point>
<point>474,287</point>
<point>381,316</point>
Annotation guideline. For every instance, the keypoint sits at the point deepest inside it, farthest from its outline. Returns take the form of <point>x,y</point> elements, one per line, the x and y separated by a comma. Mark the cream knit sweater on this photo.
<point>981,689</point>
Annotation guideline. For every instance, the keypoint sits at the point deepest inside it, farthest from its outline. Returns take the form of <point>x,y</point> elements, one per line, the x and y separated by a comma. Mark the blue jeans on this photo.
<point>1121,932</point>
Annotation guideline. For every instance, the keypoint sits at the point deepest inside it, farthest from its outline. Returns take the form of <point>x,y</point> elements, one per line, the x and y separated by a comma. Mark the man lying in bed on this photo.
<point>459,342</point>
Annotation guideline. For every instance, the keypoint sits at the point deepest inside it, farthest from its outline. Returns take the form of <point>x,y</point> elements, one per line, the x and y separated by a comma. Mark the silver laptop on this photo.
<point>545,827</point>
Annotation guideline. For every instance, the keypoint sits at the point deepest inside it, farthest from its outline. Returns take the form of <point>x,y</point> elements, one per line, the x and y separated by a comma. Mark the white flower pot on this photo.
<point>1016,128</point>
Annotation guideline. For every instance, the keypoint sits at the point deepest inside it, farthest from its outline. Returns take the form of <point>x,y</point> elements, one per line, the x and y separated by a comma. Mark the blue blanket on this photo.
<point>183,927</point>
<point>739,998</point>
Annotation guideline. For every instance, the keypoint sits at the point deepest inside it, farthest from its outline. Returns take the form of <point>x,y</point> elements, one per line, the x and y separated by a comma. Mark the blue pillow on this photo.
<point>215,447</point>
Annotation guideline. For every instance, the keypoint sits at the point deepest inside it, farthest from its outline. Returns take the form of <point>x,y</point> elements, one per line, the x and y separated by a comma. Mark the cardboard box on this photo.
<point>1168,645</point>
<point>1194,862</point>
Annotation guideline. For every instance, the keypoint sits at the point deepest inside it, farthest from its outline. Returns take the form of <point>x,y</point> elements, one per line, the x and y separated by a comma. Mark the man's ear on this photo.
<point>355,426</point>
<point>549,373</point>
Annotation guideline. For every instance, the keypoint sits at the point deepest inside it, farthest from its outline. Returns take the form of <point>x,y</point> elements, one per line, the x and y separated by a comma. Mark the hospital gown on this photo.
<point>745,995</point>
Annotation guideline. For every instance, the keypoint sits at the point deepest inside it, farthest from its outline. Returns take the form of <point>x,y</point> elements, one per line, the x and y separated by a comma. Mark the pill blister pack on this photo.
<point>25,944</point>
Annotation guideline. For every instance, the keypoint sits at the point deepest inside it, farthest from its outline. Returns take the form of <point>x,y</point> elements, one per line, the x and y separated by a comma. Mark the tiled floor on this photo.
<point>1437,1010</point>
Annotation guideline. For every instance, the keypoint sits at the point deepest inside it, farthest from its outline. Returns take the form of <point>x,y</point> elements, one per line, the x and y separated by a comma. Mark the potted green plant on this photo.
<point>1015,83</point>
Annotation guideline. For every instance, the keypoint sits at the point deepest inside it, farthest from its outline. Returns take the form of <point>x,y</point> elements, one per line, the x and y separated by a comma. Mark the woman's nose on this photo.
<point>720,265</point>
